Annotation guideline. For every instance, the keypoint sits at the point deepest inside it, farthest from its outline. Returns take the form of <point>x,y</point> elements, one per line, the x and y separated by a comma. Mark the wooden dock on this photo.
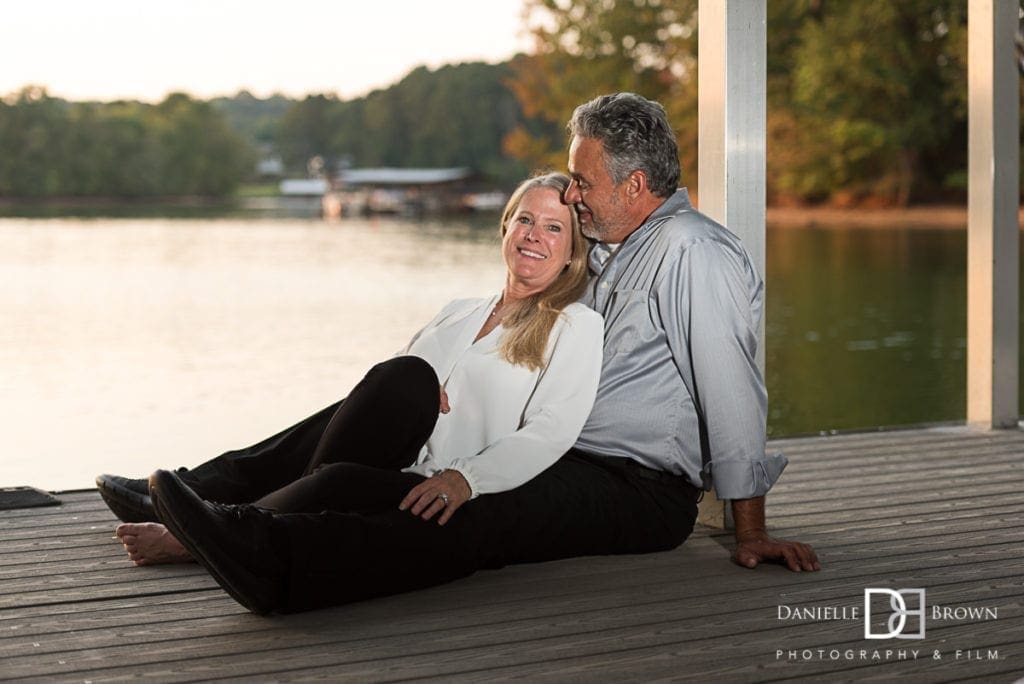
<point>941,509</point>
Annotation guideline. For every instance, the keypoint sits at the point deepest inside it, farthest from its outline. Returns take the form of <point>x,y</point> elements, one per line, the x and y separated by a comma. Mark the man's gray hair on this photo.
<point>635,134</point>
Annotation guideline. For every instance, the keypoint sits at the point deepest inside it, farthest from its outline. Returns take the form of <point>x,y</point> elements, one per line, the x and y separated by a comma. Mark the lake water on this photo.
<point>131,344</point>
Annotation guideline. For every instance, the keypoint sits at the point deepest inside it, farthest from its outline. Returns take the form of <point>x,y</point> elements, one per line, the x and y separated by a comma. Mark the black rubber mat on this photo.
<point>25,497</point>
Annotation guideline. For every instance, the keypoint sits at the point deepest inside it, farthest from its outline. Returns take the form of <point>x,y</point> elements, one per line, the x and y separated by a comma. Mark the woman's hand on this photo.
<point>426,498</point>
<point>445,408</point>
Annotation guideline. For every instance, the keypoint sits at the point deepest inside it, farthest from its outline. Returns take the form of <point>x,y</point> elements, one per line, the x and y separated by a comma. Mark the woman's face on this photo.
<point>538,240</point>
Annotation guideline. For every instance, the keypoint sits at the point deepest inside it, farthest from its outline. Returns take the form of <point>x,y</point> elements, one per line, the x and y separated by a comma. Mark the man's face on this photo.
<point>602,205</point>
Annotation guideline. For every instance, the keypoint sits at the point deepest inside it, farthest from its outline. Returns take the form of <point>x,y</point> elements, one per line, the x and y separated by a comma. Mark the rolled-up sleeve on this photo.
<point>710,302</point>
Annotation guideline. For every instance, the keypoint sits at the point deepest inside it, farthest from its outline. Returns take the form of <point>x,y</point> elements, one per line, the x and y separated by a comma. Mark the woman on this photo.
<point>489,394</point>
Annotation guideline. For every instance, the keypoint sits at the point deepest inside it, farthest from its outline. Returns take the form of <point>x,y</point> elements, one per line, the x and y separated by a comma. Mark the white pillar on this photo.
<point>993,234</point>
<point>731,104</point>
<point>731,96</point>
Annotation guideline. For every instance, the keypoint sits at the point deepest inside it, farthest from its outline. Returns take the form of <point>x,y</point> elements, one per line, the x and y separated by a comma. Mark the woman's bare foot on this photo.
<point>151,544</point>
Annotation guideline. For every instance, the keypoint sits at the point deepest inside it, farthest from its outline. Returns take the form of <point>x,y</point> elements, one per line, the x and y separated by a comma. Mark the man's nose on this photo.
<point>572,193</point>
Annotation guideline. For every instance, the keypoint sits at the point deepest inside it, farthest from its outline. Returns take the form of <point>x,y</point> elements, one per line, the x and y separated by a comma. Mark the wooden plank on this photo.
<point>904,459</point>
<point>14,564</point>
<point>931,484</point>
<point>909,504</point>
<point>873,440</point>
<point>820,467</point>
<point>858,530</point>
<point>50,524</point>
<point>80,503</point>
<point>961,532</point>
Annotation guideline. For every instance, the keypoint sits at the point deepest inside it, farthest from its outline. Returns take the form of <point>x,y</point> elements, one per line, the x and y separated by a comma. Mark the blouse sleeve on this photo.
<point>554,416</point>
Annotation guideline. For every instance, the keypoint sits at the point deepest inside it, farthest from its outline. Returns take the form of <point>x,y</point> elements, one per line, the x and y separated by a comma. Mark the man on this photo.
<point>681,296</point>
<point>681,406</point>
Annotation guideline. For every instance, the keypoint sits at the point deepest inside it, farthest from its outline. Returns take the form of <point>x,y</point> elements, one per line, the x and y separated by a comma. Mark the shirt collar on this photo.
<point>600,253</point>
<point>679,202</point>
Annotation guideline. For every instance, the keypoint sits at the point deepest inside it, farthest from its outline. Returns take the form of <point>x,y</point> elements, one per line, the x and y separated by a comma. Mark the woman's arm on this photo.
<point>555,413</point>
<point>553,418</point>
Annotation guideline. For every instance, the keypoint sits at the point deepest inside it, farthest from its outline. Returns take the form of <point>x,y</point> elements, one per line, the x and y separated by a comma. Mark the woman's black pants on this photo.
<point>347,457</point>
<point>341,544</point>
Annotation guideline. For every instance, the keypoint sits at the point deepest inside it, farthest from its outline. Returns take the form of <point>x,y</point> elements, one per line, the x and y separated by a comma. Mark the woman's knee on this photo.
<point>407,376</point>
<point>407,370</point>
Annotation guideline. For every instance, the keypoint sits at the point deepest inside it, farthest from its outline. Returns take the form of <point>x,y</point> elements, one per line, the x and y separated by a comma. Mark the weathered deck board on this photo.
<point>938,508</point>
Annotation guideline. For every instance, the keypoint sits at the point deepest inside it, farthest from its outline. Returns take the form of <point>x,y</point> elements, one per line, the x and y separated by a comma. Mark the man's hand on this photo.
<point>754,545</point>
<point>442,493</point>
<point>756,548</point>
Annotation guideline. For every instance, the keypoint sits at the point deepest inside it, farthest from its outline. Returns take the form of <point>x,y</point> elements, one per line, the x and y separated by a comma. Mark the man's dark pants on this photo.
<point>582,505</point>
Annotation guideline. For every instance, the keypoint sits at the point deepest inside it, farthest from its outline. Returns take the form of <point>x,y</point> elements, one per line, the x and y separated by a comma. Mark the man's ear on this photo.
<point>636,185</point>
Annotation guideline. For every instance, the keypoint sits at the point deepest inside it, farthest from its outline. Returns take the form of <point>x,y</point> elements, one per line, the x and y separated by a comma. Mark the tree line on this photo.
<point>53,148</point>
<point>457,115</point>
<point>866,105</point>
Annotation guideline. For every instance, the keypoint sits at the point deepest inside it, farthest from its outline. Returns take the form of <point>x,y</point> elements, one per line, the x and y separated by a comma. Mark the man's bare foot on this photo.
<point>151,543</point>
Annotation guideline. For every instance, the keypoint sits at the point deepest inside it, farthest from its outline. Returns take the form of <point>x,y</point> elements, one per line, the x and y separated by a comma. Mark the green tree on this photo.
<point>589,47</point>
<point>128,156</point>
<point>307,129</point>
<point>257,120</point>
<point>200,154</point>
<point>32,129</point>
<point>870,92</point>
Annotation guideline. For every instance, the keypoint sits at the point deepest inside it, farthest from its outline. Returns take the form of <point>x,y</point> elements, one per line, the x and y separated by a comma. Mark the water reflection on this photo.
<point>865,328</point>
<point>135,343</point>
<point>130,344</point>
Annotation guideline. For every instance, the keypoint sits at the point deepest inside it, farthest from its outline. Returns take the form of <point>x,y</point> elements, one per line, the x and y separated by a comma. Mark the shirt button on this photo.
<point>604,284</point>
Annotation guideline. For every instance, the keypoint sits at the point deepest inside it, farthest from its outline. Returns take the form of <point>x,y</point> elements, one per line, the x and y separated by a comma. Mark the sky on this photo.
<point>143,49</point>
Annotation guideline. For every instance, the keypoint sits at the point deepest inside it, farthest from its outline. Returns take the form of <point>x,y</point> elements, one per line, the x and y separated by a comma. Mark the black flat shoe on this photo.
<point>233,543</point>
<point>127,498</point>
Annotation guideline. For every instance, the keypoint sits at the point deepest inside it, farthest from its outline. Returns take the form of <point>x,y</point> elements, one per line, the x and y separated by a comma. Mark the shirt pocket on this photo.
<point>628,323</point>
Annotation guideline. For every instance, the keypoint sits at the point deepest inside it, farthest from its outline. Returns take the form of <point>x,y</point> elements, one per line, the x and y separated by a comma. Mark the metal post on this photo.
<point>993,233</point>
<point>731,96</point>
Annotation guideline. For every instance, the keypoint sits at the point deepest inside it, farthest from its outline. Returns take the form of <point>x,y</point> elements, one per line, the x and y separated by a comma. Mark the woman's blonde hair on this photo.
<point>528,322</point>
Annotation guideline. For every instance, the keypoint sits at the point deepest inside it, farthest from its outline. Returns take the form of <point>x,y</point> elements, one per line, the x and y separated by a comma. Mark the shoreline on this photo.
<point>823,217</point>
<point>945,216</point>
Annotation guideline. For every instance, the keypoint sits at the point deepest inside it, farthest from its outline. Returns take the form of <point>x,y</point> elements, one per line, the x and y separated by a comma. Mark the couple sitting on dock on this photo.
<point>579,412</point>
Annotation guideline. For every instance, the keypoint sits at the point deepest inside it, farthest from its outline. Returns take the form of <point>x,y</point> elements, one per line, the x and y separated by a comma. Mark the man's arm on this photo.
<point>754,545</point>
<point>710,323</point>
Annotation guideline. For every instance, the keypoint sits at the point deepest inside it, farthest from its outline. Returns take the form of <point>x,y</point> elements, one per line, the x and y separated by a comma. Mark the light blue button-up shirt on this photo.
<point>680,389</point>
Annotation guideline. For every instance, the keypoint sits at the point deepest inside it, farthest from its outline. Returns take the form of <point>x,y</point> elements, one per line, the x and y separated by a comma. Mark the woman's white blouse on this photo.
<point>507,423</point>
